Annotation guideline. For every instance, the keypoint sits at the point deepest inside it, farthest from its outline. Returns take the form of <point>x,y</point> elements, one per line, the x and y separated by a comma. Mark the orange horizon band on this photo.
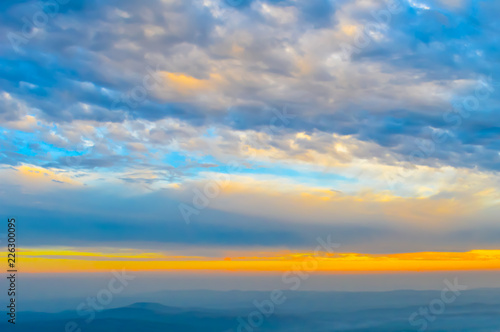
<point>48,261</point>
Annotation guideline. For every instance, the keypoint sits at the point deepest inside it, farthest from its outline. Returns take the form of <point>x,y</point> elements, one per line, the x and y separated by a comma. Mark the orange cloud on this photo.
<point>39,174</point>
<point>187,84</point>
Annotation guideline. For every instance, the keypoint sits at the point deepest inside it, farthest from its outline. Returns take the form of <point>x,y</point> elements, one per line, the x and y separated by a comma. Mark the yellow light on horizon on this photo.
<point>47,261</point>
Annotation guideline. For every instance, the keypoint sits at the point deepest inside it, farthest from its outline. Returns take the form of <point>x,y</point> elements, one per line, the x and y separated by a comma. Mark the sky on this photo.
<point>207,135</point>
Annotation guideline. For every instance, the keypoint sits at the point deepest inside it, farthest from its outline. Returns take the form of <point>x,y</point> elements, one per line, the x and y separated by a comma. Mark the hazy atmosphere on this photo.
<point>179,161</point>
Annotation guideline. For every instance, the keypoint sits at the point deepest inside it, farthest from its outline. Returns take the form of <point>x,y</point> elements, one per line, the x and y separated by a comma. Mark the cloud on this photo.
<point>220,64</point>
<point>143,212</point>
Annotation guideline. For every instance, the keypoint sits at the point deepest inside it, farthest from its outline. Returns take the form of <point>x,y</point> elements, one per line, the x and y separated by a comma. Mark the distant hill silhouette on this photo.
<point>303,311</point>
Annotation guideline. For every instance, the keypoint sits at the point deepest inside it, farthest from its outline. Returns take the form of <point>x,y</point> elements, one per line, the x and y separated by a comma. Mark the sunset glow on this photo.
<point>47,261</point>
